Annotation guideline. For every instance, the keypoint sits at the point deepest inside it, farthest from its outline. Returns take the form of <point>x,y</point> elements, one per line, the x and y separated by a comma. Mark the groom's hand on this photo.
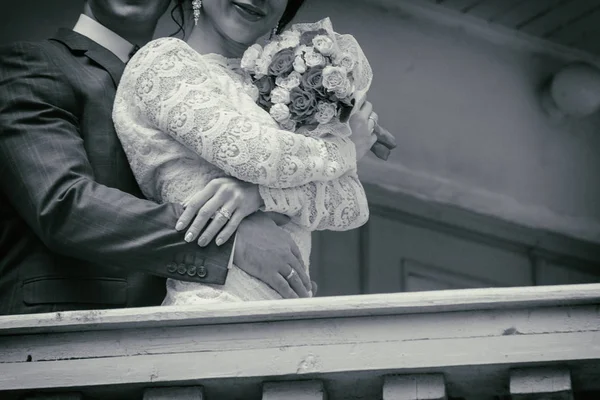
<point>267,252</point>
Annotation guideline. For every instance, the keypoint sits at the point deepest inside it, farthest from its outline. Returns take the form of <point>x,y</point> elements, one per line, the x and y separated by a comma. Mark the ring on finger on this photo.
<point>225,213</point>
<point>372,125</point>
<point>374,117</point>
<point>291,274</point>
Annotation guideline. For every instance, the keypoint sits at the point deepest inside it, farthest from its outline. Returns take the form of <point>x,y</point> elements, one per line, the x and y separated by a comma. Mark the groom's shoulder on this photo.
<point>45,52</point>
<point>40,64</point>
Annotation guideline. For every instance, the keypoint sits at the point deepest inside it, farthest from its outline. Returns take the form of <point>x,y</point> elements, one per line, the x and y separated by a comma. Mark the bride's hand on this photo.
<point>362,123</point>
<point>227,201</point>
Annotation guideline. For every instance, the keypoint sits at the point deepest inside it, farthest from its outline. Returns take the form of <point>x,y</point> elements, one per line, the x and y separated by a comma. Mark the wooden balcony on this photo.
<point>529,342</point>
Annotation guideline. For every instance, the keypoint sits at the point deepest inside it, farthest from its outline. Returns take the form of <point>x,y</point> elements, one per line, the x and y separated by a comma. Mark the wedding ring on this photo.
<point>223,212</point>
<point>291,275</point>
<point>374,117</point>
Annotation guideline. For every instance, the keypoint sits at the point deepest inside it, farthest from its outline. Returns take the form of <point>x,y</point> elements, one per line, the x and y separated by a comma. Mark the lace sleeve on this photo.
<point>176,93</point>
<point>337,205</point>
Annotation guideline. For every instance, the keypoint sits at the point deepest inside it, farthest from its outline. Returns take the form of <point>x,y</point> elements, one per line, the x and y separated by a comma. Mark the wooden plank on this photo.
<point>174,393</point>
<point>294,390</point>
<point>494,33</point>
<point>523,12</point>
<point>414,387</point>
<point>558,17</point>
<point>309,360</point>
<point>538,383</point>
<point>315,347</point>
<point>302,309</point>
<point>286,334</point>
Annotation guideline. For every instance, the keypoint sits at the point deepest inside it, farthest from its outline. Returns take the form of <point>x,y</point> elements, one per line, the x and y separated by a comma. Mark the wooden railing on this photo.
<point>472,344</point>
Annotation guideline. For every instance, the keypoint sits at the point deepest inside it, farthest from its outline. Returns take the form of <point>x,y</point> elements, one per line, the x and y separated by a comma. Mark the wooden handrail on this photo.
<point>339,339</point>
<point>316,308</point>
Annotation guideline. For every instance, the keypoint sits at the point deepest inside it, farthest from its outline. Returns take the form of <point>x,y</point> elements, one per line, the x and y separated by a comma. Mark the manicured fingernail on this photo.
<point>179,226</point>
<point>189,237</point>
<point>219,241</point>
<point>202,241</point>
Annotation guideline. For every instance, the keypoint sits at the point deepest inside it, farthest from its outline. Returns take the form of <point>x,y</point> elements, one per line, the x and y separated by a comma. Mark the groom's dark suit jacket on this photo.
<point>75,232</point>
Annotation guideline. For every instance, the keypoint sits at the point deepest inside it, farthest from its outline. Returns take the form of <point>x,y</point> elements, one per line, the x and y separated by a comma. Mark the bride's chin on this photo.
<point>244,33</point>
<point>243,39</point>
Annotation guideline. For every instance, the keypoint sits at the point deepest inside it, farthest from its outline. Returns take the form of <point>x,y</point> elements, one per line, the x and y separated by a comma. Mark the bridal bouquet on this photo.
<point>304,76</point>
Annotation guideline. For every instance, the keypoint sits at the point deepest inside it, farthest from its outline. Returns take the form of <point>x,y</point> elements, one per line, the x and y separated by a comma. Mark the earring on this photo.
<point>274,31</point>
<point>196,5</point>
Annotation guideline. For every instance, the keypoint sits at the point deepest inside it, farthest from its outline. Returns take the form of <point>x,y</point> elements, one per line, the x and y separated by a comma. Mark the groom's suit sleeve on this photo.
<point>45,173</point>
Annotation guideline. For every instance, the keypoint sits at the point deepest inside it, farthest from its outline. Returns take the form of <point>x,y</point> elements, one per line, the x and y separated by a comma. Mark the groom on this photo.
<point>75,231</point>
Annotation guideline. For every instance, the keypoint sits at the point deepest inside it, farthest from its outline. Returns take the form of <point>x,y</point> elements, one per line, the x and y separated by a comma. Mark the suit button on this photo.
<point>191,270</point>
<point>182,269</point>
<point>202,272</point>
<point>171,268</point>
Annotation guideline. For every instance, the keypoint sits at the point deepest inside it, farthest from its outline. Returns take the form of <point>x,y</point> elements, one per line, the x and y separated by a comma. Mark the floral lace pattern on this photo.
<point>185,119</point>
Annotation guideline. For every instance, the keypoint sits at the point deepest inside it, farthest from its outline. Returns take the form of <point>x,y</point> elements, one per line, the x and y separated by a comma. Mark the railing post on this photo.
<point>296,390</point>
<point>414,387</point>
<point>541,383</point>
<point>174,393</point>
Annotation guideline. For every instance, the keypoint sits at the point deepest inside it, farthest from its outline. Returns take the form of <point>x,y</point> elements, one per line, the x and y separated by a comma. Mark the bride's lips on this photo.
<point>249,11</point>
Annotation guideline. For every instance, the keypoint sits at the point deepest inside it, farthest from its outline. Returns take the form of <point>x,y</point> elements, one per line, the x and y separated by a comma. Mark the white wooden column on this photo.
<point>177,393</point>
<point>541,383</point>
<point>414,387</point>
<point>294,390</point>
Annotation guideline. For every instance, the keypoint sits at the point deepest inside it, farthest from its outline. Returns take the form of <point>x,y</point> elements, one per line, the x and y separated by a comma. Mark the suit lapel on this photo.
<point>79,44</point>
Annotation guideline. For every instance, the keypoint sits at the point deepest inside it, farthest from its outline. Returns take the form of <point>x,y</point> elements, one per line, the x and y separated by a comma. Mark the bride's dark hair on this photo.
<point>178,15</point>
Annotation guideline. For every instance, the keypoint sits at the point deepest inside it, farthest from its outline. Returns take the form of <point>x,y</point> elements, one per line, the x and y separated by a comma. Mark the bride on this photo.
<point>188,121</point>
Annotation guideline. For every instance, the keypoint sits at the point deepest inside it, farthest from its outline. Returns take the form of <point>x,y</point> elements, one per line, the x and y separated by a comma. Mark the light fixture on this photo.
<point>574,91</point>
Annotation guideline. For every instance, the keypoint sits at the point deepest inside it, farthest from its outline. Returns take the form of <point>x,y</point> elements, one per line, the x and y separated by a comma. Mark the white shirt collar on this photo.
<point>106,38</point>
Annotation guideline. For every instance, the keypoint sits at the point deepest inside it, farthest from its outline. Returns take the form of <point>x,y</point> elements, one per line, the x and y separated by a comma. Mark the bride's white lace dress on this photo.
<point>185,119</point>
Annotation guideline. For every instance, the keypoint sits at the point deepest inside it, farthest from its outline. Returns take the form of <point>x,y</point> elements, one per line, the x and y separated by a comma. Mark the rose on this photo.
<point>265,85</point>
<point>270,49</point>
<point>262,66</point>
<point>264,103</point>
<point>280,112</point>
<point>307,37</point>
<point>299,65</point>
<point>313,78</point>
<point>334,78</point>
<point>251,90</point>
<point>314,59</point>
<point>288,125</point>
<point>289,40</point>
<point>344,91</point>
<point>280,96</point>
<point>346,61</point>
<point>289,82</point>
<point>300,50</point>
<point>250,57</point>
<point>325,112</point>
<point>303,104</point>
<point>283,62</point>
<point>324,44</point>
